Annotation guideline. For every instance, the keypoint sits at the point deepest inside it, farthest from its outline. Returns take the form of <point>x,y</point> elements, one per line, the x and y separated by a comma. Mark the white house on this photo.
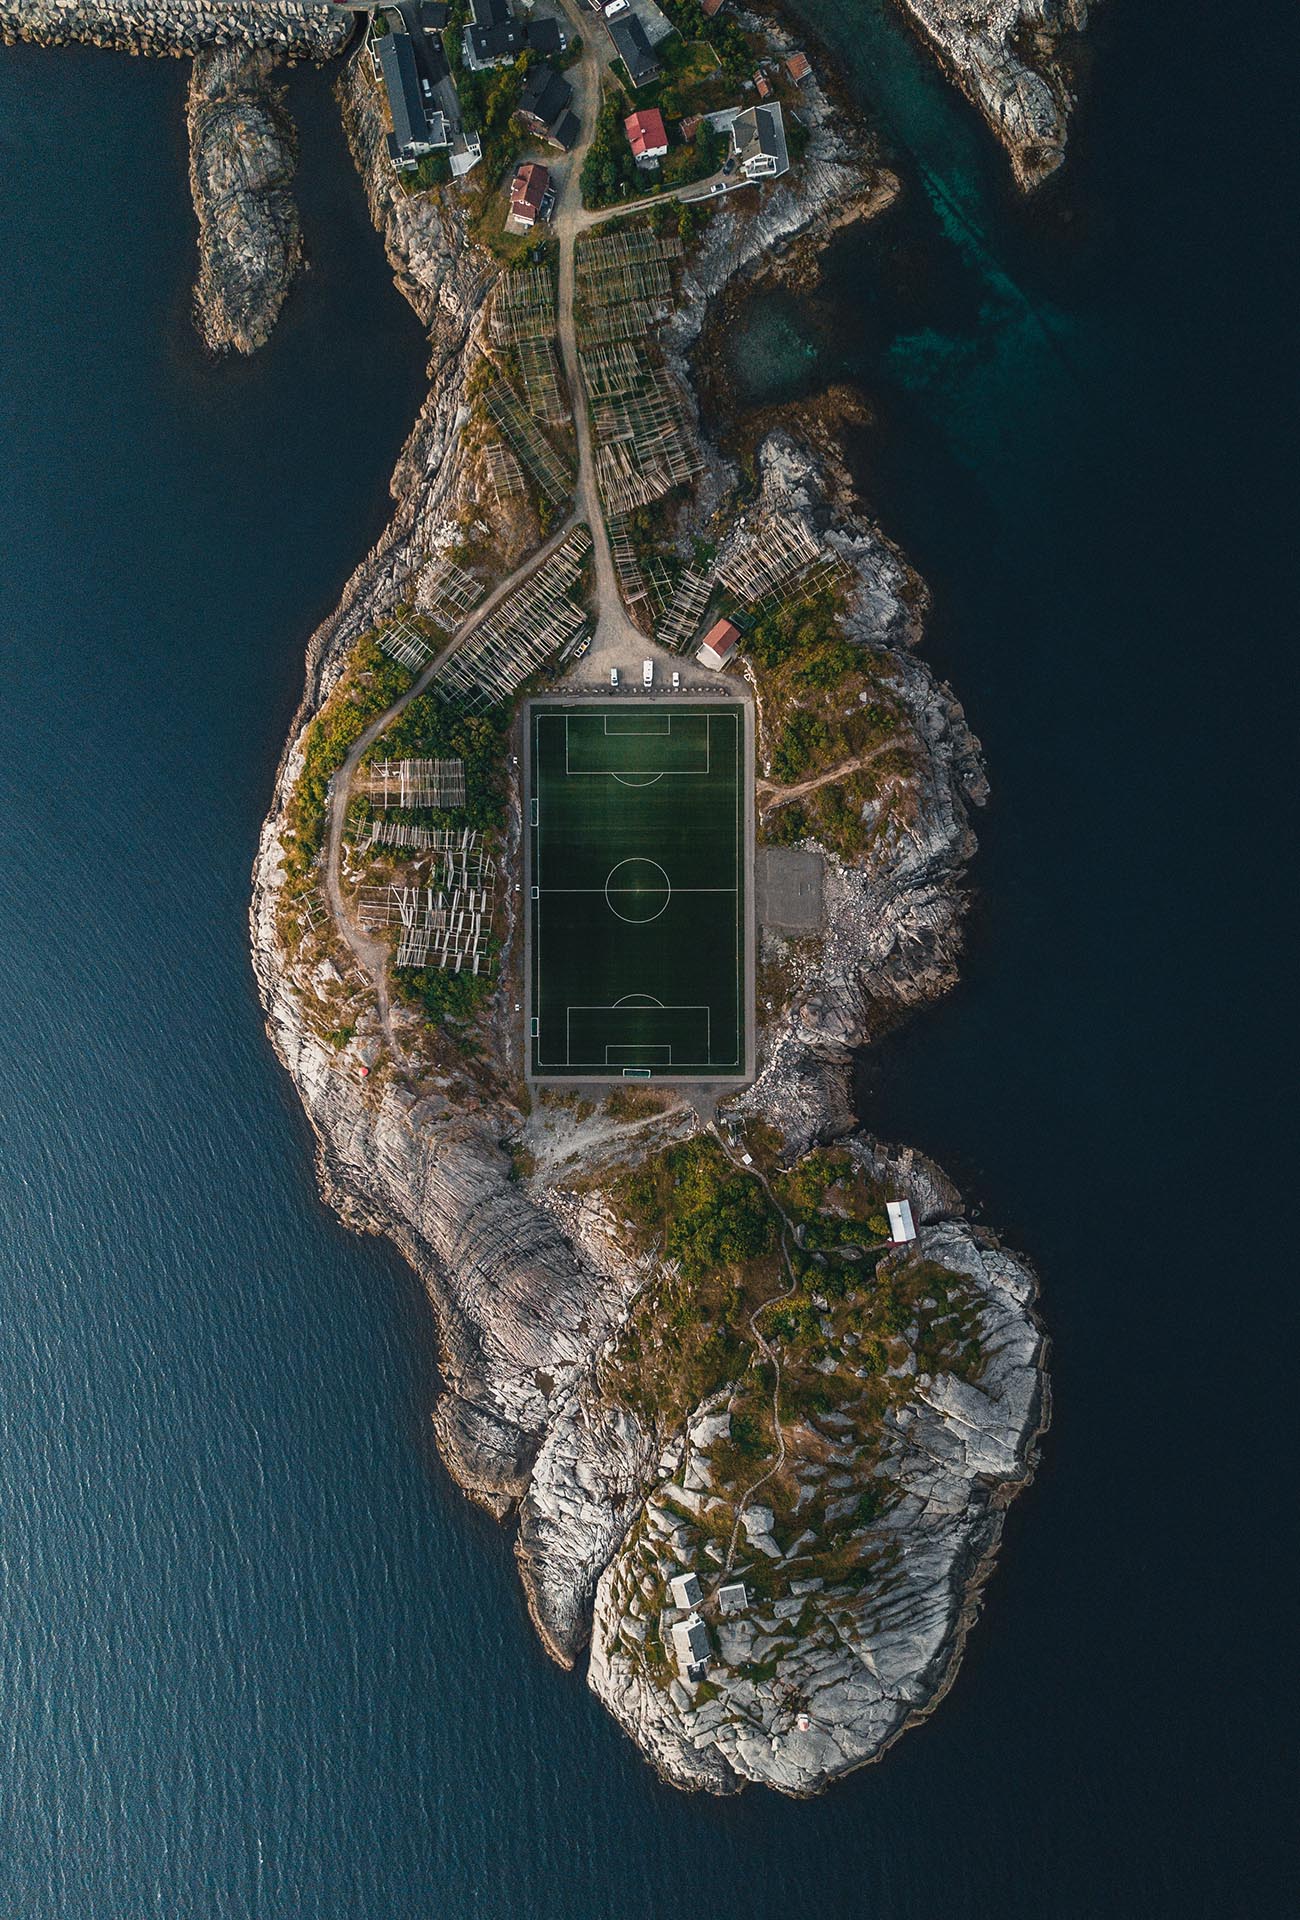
<point>758,142</point>
<point>686,1590</point>
<point>718,645</point>
<point>901,1225</point>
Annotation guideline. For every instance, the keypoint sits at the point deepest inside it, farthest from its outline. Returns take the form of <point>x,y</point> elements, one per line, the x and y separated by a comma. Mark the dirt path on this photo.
<point>771,795</point>
<point>372,954</point>
<point>616,634</point>
<point>612,623</point>
<point>768,1353</point>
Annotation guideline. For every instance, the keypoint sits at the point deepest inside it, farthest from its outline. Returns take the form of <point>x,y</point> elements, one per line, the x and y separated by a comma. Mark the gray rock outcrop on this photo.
<point>813,1676</point>
<point>1002,53</point>
<point>296,28</point>
<point>242,148</point>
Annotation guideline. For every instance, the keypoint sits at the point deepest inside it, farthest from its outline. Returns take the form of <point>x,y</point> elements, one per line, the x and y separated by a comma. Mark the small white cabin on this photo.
<point>901,1225</point>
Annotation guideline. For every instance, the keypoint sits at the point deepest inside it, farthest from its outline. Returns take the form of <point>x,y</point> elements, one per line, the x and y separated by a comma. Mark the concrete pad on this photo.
<point>788,884</point>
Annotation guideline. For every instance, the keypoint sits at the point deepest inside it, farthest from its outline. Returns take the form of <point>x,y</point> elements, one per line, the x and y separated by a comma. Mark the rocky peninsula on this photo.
<point>681,1346</point>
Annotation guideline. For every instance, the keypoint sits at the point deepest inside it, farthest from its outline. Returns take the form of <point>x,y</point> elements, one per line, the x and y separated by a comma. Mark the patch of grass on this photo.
<point>635,1103</point>
<point>369,683</point>
<point>686,1336</point>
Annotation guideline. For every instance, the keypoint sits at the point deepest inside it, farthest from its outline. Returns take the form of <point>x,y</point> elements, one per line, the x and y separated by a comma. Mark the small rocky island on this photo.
<point>754,1390</point>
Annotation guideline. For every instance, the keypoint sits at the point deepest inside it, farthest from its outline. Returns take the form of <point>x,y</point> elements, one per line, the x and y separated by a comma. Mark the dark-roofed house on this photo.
<point>493,46</point>
<point>412,133</point>
<point>758,142</point>
<point>545,36</point>
<point>493,36</point>
<point>545,98</point>
<point>566,130</point>
<point>632,48</point>
<point>434,16</point>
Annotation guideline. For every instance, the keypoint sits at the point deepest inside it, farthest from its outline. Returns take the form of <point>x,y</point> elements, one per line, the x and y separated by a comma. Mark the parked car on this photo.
<point>647,673</point>
<point>616,7</point>
<point>613,676</point>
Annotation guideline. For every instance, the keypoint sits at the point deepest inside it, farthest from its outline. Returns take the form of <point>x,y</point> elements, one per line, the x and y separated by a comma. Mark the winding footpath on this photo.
<point>614,628</point>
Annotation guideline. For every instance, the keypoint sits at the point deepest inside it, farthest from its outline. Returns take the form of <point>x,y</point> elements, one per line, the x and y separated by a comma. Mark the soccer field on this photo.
<point>637,914</point>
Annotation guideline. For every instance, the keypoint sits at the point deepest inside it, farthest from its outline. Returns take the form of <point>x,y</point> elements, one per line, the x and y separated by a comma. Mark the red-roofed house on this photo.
<point>797,67</point>
<point>709,7</point>
<point>527,191</point>
<point>763,85</point>
<point>719,645</point>
<point>647,136</point>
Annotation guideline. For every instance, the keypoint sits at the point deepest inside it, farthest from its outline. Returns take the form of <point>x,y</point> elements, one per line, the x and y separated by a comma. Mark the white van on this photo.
<point>647,673</point>
<point>677,681</point>
<point>613,676</point>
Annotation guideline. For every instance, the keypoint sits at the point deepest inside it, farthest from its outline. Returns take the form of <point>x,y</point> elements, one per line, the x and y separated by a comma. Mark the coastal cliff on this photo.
<point>1006,55</point>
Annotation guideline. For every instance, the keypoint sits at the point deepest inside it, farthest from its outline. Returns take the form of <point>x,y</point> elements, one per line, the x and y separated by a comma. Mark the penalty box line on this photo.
<point>613,773</point>
<point>630,1046</point>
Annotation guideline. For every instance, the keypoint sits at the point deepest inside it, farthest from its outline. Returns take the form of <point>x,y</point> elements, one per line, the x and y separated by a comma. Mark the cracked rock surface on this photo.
<point>242,150</point>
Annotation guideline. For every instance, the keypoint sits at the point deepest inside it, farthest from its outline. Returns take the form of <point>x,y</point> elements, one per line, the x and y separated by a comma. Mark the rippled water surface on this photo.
<point>257,1657</point>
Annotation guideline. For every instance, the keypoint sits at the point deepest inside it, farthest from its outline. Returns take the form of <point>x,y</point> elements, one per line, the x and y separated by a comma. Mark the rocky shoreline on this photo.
<point>510,1213</point>
<point>1007,58</point>
<point>292,29</point>
<point>530,1280</point>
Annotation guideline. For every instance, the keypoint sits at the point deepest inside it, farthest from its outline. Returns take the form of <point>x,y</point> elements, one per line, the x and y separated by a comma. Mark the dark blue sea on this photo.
<point>258,1659</point>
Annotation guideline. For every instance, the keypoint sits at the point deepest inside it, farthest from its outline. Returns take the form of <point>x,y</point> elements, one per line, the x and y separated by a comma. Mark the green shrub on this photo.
<point>370,682</point>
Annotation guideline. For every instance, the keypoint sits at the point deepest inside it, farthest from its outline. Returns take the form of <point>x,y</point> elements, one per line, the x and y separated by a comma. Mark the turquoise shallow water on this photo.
<point>257,1658</point>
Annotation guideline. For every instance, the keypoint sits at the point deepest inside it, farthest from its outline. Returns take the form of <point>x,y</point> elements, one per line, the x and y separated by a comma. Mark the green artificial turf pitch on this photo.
<point>637,909</point>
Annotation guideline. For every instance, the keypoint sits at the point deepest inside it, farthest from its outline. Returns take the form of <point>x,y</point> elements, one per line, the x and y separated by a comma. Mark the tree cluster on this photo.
<point>609,172</point>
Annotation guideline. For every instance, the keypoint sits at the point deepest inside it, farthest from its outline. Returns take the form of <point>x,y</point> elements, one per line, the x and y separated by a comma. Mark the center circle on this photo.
<point>637,890</point>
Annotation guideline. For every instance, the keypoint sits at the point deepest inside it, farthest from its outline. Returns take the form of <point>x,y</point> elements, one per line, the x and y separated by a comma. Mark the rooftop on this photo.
<point>646,132</point>
<point>632,47</point>
<point>402,84</point>
<point>545,95</point>
<point>758,141</point>
<point>528,188</point>
<point>721,637</point>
